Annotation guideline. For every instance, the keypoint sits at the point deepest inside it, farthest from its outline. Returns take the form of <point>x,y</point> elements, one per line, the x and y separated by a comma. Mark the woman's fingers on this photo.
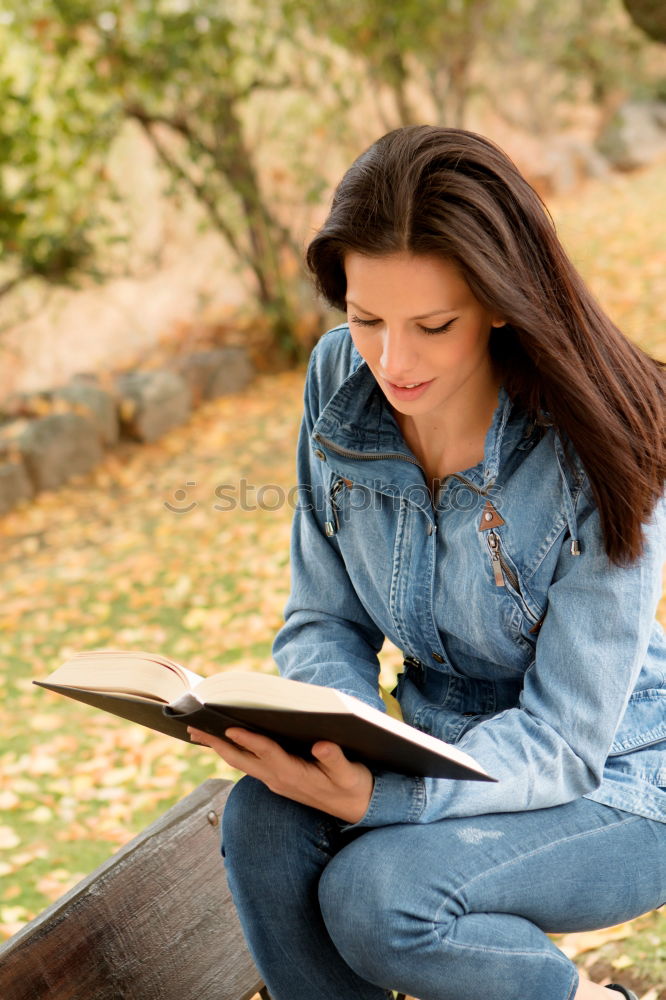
<point>332,761</point>
<point>253,753</point>
<point>330,782</point>
<point>260,746</point>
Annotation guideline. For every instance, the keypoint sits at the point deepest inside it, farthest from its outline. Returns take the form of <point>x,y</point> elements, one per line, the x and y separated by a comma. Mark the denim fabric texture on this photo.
<point>457,909</point>
<point>523,645</point>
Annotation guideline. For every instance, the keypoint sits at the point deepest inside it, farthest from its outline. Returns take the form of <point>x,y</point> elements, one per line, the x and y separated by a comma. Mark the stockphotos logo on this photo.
<point>247,496</point>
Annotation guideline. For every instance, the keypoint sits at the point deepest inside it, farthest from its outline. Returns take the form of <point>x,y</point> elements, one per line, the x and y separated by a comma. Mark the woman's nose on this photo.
<point>399,357</point>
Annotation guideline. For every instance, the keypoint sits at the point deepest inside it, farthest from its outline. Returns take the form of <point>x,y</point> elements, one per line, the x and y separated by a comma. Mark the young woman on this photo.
<point>489,451</point>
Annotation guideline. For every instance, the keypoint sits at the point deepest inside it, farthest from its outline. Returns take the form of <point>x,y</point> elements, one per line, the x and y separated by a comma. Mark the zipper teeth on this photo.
<point>363,456</point>
<point>511,576</point>
<point>475,489</point>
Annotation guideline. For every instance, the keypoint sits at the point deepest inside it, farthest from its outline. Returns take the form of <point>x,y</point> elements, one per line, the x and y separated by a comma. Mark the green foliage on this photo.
<point>599,47</point>
<point>554,56</point>
<point>53,144</point>
<point>185,72</point>
<point>432,41</point>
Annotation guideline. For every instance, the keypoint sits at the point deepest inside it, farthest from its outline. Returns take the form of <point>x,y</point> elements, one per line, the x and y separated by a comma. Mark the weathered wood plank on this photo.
<point>155,922</point>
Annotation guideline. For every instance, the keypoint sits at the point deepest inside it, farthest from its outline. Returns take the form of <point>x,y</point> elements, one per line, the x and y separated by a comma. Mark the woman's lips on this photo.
<point>407,392</point>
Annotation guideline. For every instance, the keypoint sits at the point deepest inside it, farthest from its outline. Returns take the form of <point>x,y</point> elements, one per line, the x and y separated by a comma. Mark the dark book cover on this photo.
<point>295,730</point>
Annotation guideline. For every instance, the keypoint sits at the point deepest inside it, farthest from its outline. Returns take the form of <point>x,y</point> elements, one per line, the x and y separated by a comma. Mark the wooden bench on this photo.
<point>155,922</point>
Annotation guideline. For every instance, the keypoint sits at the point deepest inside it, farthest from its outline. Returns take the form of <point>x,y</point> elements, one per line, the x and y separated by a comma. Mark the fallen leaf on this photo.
<point>581,941</point>
<point>8,838</point>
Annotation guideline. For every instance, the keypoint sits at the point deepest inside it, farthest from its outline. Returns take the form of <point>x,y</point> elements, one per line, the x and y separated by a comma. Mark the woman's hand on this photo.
<point>331,783</point>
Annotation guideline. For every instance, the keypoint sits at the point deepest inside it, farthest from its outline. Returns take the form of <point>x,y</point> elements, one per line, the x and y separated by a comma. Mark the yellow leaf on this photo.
<point>41,763</point>
<point>46,723</point>
<point>577,943</point>
<point>11,914</point>
<point>27,857</point>
<point>58,882</point>
<point>8,838</point>
<point>42,814</point>
<point>622,962</point>
<point>120,775</point>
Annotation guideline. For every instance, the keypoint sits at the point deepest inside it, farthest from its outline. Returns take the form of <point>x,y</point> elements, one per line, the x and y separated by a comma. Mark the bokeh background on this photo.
<point>163,163</point>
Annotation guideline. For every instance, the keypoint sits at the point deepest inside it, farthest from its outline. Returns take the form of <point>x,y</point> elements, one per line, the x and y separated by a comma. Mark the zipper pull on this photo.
<point>330,527</point>
<point>493,544</point>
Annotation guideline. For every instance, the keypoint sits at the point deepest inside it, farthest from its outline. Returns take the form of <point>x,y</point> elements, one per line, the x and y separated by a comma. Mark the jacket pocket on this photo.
<point>643,723</point>
<point>505,575</point>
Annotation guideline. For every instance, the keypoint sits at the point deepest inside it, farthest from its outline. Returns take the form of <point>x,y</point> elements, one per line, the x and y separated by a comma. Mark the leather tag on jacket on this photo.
<point>490,518</point>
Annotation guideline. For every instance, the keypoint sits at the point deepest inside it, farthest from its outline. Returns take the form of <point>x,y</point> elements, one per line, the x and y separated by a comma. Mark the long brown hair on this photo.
<point>430,190</point>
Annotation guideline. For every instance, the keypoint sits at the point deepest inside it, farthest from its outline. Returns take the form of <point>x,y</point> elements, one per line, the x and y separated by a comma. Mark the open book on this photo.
<point>159,693</point>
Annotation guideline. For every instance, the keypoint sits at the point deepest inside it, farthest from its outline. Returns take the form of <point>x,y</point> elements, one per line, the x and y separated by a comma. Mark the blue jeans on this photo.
<point>458,909</point>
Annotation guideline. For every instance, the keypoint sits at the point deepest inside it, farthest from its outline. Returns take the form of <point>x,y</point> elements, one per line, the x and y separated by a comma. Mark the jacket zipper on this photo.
<point>364,456</point>
<point>501,570</point>
<point>378,455</point>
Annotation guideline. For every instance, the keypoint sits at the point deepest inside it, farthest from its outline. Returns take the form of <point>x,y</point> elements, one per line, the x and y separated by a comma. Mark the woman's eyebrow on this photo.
<point>435,312</point>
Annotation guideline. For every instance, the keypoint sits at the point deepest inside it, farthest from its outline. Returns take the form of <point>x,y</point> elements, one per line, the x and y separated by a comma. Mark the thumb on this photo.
<point>328,754</point>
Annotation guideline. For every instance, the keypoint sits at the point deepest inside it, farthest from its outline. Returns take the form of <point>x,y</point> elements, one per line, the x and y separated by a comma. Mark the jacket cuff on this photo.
<point>396,798</point>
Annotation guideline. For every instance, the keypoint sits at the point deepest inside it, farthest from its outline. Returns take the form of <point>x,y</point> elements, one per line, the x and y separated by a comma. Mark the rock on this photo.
<point>216,372</point>
<point>57,447</point>
<point>82,394</point>
<point>15,485</point>
<point>152,403</point>
<point>565,164</point>
<point>27,404</point>
<point>86,398</point>
<point>635,135</point>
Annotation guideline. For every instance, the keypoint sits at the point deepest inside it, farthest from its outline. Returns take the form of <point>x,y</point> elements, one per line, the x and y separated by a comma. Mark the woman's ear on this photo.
<point>497,322</point>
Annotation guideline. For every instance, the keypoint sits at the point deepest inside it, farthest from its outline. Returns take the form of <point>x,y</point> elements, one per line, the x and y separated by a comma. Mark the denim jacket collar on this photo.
<point>362,440</point>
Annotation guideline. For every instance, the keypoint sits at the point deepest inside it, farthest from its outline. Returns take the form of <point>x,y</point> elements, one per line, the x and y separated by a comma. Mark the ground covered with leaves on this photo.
<point>182,547</point>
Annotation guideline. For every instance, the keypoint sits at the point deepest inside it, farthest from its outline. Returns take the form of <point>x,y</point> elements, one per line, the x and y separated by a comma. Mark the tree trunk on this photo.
<point>397,75</point>
<point>262,242</point>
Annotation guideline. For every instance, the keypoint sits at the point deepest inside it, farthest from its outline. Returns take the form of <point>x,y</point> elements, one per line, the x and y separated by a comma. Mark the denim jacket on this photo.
<point>523,644</point>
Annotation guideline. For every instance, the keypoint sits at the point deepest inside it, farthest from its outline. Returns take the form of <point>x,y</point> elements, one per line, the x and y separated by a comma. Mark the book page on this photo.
<point>243,689</point>
<point>138,674</point>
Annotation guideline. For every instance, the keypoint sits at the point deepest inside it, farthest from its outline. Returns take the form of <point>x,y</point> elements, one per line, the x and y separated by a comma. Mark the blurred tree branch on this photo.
<point>185,76</point>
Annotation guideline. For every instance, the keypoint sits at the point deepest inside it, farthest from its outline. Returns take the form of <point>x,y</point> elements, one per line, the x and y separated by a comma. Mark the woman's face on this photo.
<point>415,321</point>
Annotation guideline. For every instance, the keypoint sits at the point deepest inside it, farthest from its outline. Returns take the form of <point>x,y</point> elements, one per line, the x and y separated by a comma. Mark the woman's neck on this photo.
<point>452,438</point>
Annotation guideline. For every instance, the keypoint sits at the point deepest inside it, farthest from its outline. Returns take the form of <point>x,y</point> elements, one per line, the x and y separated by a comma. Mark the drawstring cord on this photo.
<point>568,499</point>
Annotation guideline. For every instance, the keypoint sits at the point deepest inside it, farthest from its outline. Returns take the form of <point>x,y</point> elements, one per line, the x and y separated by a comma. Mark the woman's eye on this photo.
<point>438,329</point>
<point>426,329</point>
<point>363,322</point>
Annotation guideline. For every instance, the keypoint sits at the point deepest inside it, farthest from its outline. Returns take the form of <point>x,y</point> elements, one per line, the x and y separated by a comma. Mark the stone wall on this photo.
<point>49,436</point>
